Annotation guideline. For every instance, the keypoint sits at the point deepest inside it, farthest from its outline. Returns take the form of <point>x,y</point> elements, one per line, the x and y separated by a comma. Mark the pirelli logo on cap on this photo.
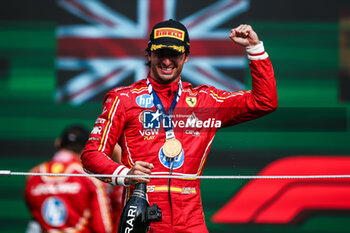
<point>169,32</point>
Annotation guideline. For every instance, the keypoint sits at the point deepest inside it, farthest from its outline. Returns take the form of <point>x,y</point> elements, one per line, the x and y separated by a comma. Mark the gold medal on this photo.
<point>172,148</point>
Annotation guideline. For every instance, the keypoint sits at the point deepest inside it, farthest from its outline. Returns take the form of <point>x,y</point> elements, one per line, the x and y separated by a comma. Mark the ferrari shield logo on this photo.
<point>191,101</point>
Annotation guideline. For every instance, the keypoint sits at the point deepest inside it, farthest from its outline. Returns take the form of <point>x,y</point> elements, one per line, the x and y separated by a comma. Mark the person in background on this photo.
<point>67,203</point>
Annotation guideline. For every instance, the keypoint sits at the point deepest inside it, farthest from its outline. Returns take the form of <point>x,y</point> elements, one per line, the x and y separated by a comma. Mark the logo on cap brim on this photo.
<point>180,49</point>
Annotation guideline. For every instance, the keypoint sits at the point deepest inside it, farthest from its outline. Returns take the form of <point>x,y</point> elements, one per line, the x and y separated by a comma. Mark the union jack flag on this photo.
<point>100,47</point>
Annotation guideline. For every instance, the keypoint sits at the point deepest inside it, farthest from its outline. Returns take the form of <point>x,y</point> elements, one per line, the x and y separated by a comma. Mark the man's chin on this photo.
<point>167,79</point>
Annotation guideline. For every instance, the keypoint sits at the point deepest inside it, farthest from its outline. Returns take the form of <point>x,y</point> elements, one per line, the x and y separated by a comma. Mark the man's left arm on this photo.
<point>262,98</point>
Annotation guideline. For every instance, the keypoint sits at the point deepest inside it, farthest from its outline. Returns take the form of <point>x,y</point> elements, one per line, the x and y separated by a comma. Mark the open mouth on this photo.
<point>167,70</point>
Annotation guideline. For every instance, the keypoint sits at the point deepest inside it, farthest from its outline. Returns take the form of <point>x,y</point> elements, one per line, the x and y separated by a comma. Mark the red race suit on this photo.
<point>67,204</point>
<point>129,118</point>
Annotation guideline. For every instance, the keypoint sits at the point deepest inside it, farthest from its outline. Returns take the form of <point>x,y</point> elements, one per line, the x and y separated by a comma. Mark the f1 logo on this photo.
<point>290,200</point>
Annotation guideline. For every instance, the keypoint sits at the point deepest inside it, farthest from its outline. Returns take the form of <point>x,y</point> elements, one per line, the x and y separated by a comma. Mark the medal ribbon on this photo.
<point>169,131</point>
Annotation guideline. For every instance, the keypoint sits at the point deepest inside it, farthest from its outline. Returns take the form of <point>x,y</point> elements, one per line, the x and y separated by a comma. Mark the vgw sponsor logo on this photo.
<point>149,134</point>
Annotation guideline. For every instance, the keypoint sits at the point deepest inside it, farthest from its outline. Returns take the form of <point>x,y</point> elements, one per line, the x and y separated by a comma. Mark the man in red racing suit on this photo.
<point>130,118</point>
<point>68,204</point>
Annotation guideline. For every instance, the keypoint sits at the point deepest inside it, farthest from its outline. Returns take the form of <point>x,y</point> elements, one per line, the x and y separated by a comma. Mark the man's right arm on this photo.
<point>96,157</point>
<point>104,135</point>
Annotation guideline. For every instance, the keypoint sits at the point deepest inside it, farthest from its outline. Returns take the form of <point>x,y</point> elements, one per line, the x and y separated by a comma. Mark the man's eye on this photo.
<point>159,54</point>
<point>172,54</point>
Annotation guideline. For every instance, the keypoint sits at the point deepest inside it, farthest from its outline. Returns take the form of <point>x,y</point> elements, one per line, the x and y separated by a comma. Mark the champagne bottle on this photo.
<point>137,214</point>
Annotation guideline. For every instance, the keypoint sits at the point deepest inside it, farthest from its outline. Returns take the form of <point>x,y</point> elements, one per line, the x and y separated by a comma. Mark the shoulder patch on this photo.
<point>135,86</point>
<point>191,101</point>
<point>138,90</point>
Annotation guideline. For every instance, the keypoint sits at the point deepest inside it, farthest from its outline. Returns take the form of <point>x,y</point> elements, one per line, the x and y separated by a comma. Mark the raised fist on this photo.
<point>244,35</point>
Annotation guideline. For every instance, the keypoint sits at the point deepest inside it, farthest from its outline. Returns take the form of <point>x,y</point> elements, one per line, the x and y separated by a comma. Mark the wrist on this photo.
<point>256,52</point>
<point>120,171</point>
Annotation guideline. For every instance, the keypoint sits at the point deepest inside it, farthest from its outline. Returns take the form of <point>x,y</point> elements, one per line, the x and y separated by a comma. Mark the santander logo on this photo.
<point>286,201</point>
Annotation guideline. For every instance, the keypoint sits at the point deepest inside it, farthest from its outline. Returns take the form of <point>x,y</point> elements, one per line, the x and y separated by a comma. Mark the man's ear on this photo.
<point>187,56</point>
<point>148,55</point>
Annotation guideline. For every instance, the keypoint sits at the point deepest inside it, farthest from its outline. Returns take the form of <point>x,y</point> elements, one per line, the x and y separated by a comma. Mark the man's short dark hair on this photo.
<point>74,138</point>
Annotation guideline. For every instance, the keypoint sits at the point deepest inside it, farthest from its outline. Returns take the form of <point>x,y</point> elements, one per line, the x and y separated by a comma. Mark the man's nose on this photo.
<point>166,61</point>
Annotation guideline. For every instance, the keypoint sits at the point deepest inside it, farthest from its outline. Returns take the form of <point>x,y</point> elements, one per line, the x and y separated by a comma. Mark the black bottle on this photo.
<point>137,214</point>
